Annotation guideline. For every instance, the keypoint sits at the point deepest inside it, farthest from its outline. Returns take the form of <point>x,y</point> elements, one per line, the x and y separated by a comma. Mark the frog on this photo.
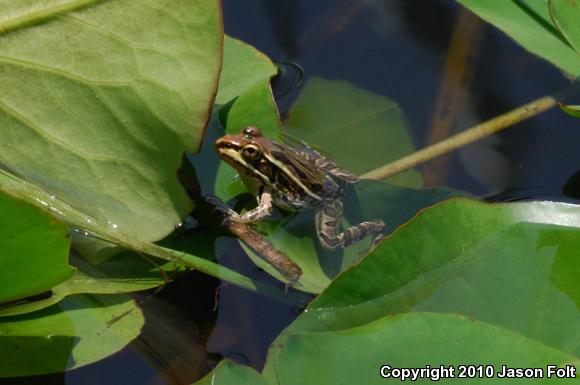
<point>294,179</point>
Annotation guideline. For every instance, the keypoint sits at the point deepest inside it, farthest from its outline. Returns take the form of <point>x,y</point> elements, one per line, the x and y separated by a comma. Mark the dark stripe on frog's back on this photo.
<point>287,194</point>
<point>310,175</point>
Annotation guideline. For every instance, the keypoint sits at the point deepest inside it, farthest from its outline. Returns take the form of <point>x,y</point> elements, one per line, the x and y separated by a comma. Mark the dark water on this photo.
<point>395,48</point>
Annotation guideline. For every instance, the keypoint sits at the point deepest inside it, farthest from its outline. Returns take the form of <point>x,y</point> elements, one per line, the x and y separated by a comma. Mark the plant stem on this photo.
<point>466,137</point>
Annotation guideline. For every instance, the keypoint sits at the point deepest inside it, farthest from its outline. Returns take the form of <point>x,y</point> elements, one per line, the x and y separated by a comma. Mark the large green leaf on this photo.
<point>357,129</point>
<point>34,250</point>
<point>511,269</point>
<point>427,341</point>
<point>528,22</point>
<point>440,242</point>
<point>512,265</point>
<point>99,102</point>
<point>78,331</point>
<point>416,340</point>
<point>524,278</point>
<point>566,16</point>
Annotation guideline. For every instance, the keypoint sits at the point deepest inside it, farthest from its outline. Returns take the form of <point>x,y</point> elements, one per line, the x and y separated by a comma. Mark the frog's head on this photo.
<point>246,152</point>
<point>241,149</point>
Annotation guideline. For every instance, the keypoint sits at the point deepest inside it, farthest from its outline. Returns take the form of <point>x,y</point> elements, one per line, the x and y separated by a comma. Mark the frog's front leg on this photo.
<point>263,210</point>
<point>327,227</point>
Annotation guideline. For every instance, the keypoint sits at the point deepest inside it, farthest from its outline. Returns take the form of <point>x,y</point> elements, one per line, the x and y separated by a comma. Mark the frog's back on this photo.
<point>298,182</point>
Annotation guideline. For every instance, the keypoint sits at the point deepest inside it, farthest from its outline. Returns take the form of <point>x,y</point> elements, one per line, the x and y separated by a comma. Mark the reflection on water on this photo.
<point>394,48</point>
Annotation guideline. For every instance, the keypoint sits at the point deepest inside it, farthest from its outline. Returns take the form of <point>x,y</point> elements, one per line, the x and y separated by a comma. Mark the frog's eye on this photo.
<point>251,132</point>
<point>251,151</point>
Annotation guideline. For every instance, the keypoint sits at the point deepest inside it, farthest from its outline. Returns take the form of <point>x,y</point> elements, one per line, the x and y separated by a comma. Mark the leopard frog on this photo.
<point>293,179</point>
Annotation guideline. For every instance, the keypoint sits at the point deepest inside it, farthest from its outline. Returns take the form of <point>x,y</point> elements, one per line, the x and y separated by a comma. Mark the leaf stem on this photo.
<point>466,137</point>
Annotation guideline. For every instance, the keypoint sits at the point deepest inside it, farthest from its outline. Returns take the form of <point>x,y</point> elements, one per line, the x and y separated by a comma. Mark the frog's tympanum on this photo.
<point>293,179</point>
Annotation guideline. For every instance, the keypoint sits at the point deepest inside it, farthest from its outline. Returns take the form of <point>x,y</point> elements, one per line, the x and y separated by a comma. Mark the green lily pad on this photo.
<point>446,233</point>
<point>243,68</point>
<point>511,265</point>
<point>230,373</point>
<point>78,331</point>
<point>528,23</point>
<point>34,250</point>
<point>565,14</point>
<point>502,279</point>
<point>415,340</point>
<point>355,128</point>
<point>97,106</point>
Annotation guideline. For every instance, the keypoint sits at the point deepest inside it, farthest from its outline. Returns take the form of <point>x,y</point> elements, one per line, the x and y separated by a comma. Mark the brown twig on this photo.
<point>264,249</point>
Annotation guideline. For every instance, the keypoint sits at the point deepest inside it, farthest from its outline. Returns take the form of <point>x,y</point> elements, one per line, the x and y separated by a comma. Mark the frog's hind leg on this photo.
<point>322,162</point>
<point>327,227</point>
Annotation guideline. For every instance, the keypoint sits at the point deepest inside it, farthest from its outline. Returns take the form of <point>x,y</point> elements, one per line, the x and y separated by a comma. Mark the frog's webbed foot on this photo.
<point>322,162</point>
<point>328,229</point>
